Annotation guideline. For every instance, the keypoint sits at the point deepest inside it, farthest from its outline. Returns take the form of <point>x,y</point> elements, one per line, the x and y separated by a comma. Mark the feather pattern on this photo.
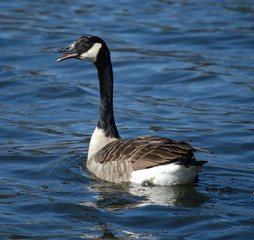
<point>117,160</point>
<point>153,159</point>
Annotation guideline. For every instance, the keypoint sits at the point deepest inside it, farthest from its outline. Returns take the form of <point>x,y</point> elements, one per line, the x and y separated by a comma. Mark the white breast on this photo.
<point>98,141</point>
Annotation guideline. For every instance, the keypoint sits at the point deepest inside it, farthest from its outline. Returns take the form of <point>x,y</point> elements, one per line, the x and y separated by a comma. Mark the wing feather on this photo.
<point>147,151</point>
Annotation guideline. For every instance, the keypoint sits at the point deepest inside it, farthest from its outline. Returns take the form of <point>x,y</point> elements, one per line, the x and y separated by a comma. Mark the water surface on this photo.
<point>183,70</point>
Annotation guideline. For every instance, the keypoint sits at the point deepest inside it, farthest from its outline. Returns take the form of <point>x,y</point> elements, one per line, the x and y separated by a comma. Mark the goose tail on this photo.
<point>203,150</point>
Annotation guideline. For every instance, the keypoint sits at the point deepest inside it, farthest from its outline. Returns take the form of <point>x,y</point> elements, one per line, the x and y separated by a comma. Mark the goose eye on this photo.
<point>86,41</point>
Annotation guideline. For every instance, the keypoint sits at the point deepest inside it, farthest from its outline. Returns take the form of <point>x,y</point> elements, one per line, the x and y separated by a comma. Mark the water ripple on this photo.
<point>183,69</point>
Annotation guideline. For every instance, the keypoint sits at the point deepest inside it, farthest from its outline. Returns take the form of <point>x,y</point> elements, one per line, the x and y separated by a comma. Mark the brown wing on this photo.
<point>149,151</point>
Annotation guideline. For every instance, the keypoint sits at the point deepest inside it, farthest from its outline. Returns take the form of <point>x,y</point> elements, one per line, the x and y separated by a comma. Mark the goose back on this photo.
<point>117,160</point>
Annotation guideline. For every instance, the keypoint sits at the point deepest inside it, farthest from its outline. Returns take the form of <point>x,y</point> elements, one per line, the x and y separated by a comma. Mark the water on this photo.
<point>183,70</point>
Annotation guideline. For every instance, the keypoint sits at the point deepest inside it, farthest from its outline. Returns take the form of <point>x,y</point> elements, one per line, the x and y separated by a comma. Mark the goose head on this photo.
<point>86,48</point>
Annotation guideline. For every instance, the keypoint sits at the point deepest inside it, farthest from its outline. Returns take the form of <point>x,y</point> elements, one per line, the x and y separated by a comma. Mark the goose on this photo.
<point>142,160</point>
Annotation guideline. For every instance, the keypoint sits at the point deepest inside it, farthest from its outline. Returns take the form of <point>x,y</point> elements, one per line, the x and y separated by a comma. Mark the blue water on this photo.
<point>183,70</point>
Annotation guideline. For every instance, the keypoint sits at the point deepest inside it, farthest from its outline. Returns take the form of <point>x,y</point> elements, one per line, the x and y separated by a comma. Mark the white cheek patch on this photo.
<point>92,53</point>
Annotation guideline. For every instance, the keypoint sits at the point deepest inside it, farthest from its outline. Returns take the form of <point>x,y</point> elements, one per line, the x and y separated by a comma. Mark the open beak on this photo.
<point>68,52</point>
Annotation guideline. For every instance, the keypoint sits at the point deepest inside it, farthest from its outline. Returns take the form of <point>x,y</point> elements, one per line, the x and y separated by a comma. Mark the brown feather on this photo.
<point>148,151</point>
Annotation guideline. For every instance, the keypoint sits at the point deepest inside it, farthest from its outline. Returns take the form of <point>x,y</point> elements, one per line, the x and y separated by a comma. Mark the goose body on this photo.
<point>143,159</point>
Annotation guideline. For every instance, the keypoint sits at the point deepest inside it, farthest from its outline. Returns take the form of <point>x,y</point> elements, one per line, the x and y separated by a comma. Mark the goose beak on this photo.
<point>68,52</point>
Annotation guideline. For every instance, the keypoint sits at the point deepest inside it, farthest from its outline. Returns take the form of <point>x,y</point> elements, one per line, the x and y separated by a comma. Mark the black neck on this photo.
<point>106,117</point>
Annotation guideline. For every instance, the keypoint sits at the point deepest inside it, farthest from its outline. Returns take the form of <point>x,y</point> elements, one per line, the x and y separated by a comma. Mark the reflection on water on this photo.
<point>106,232</point>
<point>126,196</point>
<point>173,196</point>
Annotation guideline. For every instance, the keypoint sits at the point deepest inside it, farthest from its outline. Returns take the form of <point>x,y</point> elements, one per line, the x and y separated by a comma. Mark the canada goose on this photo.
<point>143,159</point>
